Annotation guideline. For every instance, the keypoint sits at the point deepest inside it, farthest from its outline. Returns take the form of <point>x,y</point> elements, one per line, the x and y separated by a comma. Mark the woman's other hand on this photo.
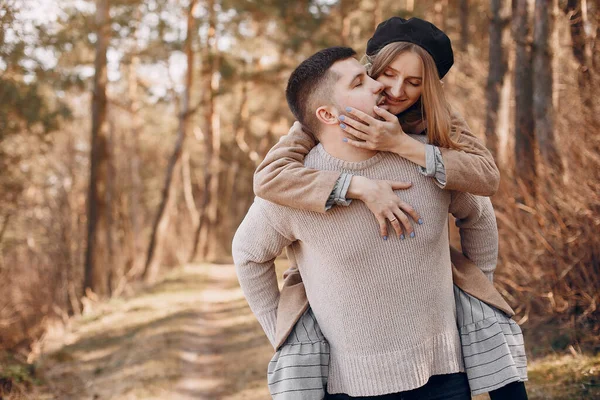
<point>379,197</point>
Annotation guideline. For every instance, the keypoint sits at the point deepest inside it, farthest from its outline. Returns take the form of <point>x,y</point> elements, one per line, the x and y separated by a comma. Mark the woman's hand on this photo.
<point>379,197</point>
<point>374,134</point>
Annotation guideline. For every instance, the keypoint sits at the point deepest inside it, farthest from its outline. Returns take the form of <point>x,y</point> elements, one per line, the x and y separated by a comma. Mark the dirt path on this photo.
<point>192,336</point>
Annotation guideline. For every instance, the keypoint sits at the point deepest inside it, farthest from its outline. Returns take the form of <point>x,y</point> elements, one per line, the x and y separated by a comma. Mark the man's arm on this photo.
<point>255,246</point>
<point>476,221</point>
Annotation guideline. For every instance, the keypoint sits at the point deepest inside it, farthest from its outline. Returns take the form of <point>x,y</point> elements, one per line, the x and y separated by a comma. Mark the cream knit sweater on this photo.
<point>386,307</point>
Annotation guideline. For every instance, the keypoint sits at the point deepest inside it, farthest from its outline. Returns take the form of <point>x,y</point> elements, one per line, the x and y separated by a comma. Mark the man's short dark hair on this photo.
<point>311,84</point>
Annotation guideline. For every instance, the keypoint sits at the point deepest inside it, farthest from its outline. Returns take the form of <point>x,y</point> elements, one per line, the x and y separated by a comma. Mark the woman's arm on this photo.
<point>282,178</point>
<point>471,170</point>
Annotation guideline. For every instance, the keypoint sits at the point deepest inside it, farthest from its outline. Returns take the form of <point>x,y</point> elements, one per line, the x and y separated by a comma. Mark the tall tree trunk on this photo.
<point>209,60</point>
<point>525,163</point>
<point>595,11</point>
<point>573,10</point>
<point>211,239</point>
<point>496,71</point>
<point>135,166</point>
<point>151,267</point>
<point>95,257</point>
<point>464,25</point>
<point>543,110</point>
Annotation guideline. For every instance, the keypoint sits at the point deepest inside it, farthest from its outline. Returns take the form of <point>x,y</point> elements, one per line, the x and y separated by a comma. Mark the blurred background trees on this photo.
<point>130,130</point>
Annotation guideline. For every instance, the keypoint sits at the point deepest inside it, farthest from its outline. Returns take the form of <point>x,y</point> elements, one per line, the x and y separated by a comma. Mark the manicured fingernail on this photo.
<point>412,234</point>
<point>348,109</point>
<point>343,126</point>
<point>402,236</point>
<point>420,221</point>
<point>344,139</point>
<point>385,238</point>
<point>342,117</point>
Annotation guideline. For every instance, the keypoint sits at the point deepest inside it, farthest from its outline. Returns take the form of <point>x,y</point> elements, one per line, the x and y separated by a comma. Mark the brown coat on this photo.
<point>282,179</point>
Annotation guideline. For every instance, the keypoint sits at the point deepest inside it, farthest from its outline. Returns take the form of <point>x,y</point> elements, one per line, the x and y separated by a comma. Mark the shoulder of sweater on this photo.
<point>312,158</point>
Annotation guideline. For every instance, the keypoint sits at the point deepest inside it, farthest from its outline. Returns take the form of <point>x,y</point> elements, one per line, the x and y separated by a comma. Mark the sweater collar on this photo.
<point>350,165</point>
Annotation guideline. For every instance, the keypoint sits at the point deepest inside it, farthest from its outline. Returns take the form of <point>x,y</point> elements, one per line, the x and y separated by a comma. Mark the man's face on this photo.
<point>355,88</point>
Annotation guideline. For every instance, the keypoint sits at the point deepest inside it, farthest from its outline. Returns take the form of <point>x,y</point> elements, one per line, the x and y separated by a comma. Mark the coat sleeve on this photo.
<point>473,169</point>
<point>282,178</point>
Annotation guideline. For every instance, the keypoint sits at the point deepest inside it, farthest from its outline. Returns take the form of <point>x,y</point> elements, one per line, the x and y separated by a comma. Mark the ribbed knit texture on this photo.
<point>386,307</point>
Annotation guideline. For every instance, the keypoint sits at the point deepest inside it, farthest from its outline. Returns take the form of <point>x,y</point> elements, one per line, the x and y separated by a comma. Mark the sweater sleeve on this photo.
<point>255,246</point>
<point>473,169</point>
<point>282,178</point>
<point>476,221</point>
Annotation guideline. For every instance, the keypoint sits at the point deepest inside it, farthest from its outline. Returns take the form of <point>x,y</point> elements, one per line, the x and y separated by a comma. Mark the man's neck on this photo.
<point>332,141</point>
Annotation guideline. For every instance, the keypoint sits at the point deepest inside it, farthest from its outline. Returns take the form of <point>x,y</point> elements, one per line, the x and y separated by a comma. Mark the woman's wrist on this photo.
<point>411,149</point>
<point>359,188</point>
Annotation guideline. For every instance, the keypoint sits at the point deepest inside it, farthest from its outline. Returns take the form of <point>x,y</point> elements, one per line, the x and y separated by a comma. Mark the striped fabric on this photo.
<point>299,369</point>
<point>492,345</point>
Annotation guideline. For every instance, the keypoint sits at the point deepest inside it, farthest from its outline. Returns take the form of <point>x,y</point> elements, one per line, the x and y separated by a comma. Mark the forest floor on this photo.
<point>192,336</point>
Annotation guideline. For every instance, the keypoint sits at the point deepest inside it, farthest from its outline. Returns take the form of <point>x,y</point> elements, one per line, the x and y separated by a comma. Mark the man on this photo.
<point>386,307</point>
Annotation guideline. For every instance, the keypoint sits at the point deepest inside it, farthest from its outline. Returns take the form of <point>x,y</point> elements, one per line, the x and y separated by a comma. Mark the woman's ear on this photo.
<point>327,115</point>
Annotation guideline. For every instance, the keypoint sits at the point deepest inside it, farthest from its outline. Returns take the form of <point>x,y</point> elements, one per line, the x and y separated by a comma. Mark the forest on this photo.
<point>130,131</point>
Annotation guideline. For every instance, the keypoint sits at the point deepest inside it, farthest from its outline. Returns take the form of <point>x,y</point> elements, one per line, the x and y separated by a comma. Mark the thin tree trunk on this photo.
<point>95,258</point>
<point>208,70</point>
<point>525,168</point>
<point>543,86</point>
<point>215,167</point>
<point>135,165</point>
<point>188,194</point>
<point>110,266</point>
<point>573,10</point>
<point>151,267</point>
<point>464,25</point>
<point>595,10</point>
<point>497,70</point>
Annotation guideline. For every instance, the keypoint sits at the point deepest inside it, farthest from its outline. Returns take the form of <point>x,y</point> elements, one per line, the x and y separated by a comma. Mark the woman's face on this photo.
<point>403,82</point>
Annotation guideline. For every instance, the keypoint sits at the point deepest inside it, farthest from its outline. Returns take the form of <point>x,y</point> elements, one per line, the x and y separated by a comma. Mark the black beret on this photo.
<point>419,32</point>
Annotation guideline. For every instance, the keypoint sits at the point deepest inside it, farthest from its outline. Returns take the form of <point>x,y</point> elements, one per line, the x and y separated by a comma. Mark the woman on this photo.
<point>409,57</point>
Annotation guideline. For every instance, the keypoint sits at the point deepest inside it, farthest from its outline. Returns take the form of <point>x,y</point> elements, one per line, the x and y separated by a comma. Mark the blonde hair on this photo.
<point>434,107</point>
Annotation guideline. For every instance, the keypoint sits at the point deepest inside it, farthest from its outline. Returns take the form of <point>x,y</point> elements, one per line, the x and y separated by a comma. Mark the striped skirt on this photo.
<point>299,369</point>
<point>492,346</point>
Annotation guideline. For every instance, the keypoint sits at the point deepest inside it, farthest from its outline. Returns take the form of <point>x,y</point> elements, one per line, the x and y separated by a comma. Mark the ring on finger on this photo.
<point>393,219</point>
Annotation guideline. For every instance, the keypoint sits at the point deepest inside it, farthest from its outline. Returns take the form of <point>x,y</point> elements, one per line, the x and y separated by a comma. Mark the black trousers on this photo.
<point>512,391</point>
<point>438,387</point>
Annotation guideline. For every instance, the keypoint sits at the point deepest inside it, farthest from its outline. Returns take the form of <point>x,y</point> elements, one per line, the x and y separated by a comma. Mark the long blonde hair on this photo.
<point>433,105</point>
